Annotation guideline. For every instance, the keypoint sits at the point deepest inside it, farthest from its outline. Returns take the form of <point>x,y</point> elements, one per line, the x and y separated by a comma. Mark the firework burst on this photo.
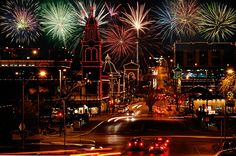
<point>113,10</point>
<point>176,19</point>
<point>137,18</point>
<point>165,21</point>
<point>186,14</point>
<point>19,21</point>
<point>217,21</point>
<point>119,42</point>
<point>83,10</point>
<point>58,20</point>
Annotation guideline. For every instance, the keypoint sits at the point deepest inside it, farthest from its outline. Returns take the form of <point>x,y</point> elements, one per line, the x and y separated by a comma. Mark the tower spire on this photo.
<point>91,12</point>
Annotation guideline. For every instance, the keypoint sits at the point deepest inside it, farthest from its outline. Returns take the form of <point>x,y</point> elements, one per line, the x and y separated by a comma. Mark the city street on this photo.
<point>115,135</point>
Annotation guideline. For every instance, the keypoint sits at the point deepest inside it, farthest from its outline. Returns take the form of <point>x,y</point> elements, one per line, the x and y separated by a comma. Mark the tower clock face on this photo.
<point>91,43</point>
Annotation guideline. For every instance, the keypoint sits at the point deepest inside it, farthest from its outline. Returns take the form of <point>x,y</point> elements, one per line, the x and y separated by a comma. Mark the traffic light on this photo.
<point>111,102</point>
<point>59,114</point>
<point>180,102</point>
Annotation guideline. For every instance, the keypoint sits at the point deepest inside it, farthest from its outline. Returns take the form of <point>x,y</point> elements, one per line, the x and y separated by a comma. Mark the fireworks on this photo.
<point>176,19</point>
<point>136,18</point>
<point>19,21</point>
<point>165,22</point>
<point>58,20</point>
<point>113,10</point>
<point>83,9</point>
<point>186,14</point>
<point>119,42</point>
<point>217,21</point>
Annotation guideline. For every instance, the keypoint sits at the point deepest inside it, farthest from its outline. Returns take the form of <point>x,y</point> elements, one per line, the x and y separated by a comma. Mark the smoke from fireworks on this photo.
<point>217,21</point>
<point>19,21</point>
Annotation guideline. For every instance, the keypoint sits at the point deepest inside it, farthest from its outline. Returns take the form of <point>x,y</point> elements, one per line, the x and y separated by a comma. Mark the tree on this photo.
<point>228,83</point>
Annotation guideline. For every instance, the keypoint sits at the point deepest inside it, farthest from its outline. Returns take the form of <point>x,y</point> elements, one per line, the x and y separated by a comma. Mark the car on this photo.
<point>228,152</point>
<point>229,144</point>
<point>136,143</point>
<point>121,110</point>
<point>159,145</point>
<point>130,113</point>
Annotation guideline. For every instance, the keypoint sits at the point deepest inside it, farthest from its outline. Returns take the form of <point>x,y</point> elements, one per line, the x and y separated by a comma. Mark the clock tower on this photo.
<point>92,60</point>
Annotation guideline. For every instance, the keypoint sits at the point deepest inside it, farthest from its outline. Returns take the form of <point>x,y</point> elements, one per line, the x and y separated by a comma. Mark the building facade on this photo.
<point>204,64</point>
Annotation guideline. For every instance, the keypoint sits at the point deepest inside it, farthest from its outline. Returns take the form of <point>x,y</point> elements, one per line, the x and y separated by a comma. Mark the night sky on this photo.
<point>43,41</point>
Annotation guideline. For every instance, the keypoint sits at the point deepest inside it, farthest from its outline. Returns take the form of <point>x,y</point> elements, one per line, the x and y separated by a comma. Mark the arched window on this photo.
<point>94,54</point>
<point>88,55</point>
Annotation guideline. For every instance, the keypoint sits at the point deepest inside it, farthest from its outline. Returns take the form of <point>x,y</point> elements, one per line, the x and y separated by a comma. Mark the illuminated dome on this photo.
<point>108,67</point>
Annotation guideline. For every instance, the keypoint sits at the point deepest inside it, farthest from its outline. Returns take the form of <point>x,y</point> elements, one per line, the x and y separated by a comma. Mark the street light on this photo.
<point>137,46</point>
<point>22,126</point>
<point>64,106</point>
<point>42,74</point>
<point>230,71</point>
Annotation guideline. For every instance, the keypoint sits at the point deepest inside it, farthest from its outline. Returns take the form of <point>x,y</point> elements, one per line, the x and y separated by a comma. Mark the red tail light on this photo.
<point>167,140</point>
<point>141,144</point>
<point>130,144</point>
<point>151,147</point>
<point>156,145</point>
<point>162,148</point>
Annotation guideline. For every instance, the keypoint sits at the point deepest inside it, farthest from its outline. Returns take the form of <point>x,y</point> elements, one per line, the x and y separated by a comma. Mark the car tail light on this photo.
<point>141,144</point>
<point>162,148</point>
<point>159,139</point>
<point>167,140</point>
<point>165,144</point>
<point>156,145</point>
<point>130,144</point>
<point>151,147</point>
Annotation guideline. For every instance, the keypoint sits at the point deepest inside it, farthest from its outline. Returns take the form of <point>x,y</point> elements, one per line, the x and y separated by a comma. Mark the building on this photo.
<point>203,64</point>
<point>24,64</point>
<point>131,79</point>
<point>100,86</point>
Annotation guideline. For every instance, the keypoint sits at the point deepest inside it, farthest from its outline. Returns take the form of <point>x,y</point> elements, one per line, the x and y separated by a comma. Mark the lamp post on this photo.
<point>64,106</point>
<point>23,114</point>
<point>42,74</point>
<point>137,46</point>
<point>22,126</point>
